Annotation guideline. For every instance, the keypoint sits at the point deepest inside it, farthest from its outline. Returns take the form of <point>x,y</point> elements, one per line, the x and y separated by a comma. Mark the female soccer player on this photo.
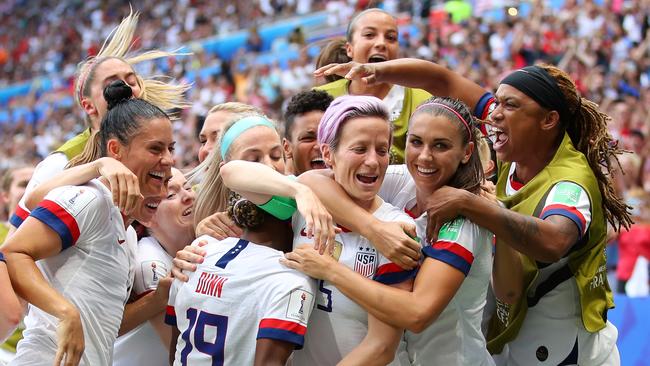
<point>372,36</point>
<point>84,249</point>
<point>355,137</point>
<point>446,305</point>
<point>93,75</point>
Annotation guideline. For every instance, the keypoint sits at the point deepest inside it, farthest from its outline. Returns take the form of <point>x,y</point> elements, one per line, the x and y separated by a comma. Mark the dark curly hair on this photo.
<point>304,102</point>
<point>244,212</point>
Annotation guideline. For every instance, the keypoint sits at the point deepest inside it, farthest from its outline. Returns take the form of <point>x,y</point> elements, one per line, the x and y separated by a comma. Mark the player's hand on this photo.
<point>219,226</point>
<point>123,184</point>
<point>186,260</point>
<point>70,340</point>
<point>489,191</point>
<point>319,223</point>
<point>394,240</point>
<point>162,291</point>
<point>443,206</point>
<point>307,260</point>
<point>351,71</point>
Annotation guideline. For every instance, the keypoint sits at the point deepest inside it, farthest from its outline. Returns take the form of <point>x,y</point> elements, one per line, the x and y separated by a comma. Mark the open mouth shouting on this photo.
<point>500,139</point>
<point>377,58</point>
<point>367,179</point>
<point>187,212</point>
<point>317,163</point>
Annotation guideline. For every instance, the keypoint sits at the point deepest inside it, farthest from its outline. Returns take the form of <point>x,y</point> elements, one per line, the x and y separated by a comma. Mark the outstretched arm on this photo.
<point>435,285</point>
<point>413,73</point>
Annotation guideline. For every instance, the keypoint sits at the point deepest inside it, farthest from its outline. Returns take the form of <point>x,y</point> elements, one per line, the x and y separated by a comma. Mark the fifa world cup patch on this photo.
<point>567,193</point>
<point>451,230</point>
<point>300,304</point>
<point>152,272</point>
<point>75,199</point>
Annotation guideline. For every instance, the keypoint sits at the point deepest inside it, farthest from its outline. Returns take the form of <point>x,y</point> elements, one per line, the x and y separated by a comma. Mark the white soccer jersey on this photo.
<point>142,345</point>
<point>455,338</point>
<point>338,324</point>
<point>93,271</point>
<point>240,293</point>
<point>52,165</point>
<point>549,334</point>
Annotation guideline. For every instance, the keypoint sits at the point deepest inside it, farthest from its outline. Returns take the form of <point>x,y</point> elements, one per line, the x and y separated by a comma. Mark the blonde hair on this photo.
<point>164,95</point>
<point>213,194</point>
<point>236,108</point>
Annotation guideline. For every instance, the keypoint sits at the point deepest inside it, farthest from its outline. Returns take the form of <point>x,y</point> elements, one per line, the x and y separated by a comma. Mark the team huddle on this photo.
<point>400,214</point>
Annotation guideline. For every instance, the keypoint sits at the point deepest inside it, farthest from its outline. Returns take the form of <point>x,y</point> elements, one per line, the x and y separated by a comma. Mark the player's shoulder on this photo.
<point>388,212</point>
<point>76,199</point>
<point>149,248</point>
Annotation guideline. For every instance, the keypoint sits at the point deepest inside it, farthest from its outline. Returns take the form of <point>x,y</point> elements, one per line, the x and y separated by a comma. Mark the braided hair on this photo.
<point>244,212</point>
<point>589,134</point>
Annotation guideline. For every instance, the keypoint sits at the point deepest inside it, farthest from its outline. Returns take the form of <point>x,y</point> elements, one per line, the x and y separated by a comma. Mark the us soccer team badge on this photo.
<point>365,261</point>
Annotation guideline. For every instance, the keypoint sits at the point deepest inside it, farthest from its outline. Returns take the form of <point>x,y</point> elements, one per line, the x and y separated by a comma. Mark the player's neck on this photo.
<point>273,233</point>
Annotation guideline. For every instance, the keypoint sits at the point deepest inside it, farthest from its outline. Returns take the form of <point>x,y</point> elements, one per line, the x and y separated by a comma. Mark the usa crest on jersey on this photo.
<point>365,262</point>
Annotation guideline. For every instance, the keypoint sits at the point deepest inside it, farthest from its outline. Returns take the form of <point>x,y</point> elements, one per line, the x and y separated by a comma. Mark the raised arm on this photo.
<point>413,73</point>
<point>123,183</point>
<point>258,183</point>
<point>390,238</point>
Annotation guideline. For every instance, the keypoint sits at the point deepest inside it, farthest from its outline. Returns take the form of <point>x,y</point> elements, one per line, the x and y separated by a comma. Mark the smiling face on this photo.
<point>174,218</point>
<point>374,38</point>
<point>211,131</point>
<point>106,72</point>
<point>434,150</point>
<point>303,147</point>
<point>149,155</point>
<point>259,144</point>
<point>517,121</point>
<point>361,158</point>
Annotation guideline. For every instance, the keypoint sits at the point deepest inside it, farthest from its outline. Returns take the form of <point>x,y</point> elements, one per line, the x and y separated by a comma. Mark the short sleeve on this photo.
<point>484,107</point>
<point>152,264</point>
<point>456,244</point>
<point>170,311</point>
<point>396,178</point>
<point>570,200</point>
<point>45,170</point>
<point>286,314</point>
<point>70,211</point>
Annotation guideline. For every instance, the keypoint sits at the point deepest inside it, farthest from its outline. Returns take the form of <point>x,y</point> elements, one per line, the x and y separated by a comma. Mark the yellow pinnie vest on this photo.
<point>586,260</point>
<point>75,145</point>
<point>412,99</point>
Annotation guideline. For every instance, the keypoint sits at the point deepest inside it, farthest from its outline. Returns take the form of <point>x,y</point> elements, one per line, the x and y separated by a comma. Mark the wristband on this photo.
<point>280,207</point>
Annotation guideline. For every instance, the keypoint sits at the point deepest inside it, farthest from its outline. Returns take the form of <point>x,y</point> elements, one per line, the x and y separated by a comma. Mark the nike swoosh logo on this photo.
<point>302,232</point>
<point>120,242</point>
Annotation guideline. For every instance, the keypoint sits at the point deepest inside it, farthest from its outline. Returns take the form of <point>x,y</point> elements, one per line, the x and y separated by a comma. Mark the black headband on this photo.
<point>536,83</point>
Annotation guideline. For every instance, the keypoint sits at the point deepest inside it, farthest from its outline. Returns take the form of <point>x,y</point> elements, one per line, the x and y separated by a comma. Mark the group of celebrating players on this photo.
<point>362,230</point>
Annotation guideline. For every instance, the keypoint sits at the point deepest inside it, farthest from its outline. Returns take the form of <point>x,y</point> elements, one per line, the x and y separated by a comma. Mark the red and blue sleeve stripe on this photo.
<point>59,220</point>
<point>451,253</point>
<point>282,330</point>
<point>19,215</point>
<point>170,316</point>
<point>569,212</point>
<point>391,273</point>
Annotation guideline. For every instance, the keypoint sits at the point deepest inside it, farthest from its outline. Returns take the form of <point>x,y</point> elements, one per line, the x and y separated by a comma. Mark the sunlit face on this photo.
<point>19,179</point>
<point>106,72</point>
<point>211,131</point>
<point>149,155</point>
<point>303,146</point>
<point>516,121</point>
<point>260,144</point>
<point>434,150</point>
<point>174,217</point>
<point>361,158</point>
<point>374,38</point>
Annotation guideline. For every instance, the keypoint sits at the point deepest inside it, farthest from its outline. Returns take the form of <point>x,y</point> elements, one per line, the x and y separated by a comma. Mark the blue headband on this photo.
<point>240,127</point>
